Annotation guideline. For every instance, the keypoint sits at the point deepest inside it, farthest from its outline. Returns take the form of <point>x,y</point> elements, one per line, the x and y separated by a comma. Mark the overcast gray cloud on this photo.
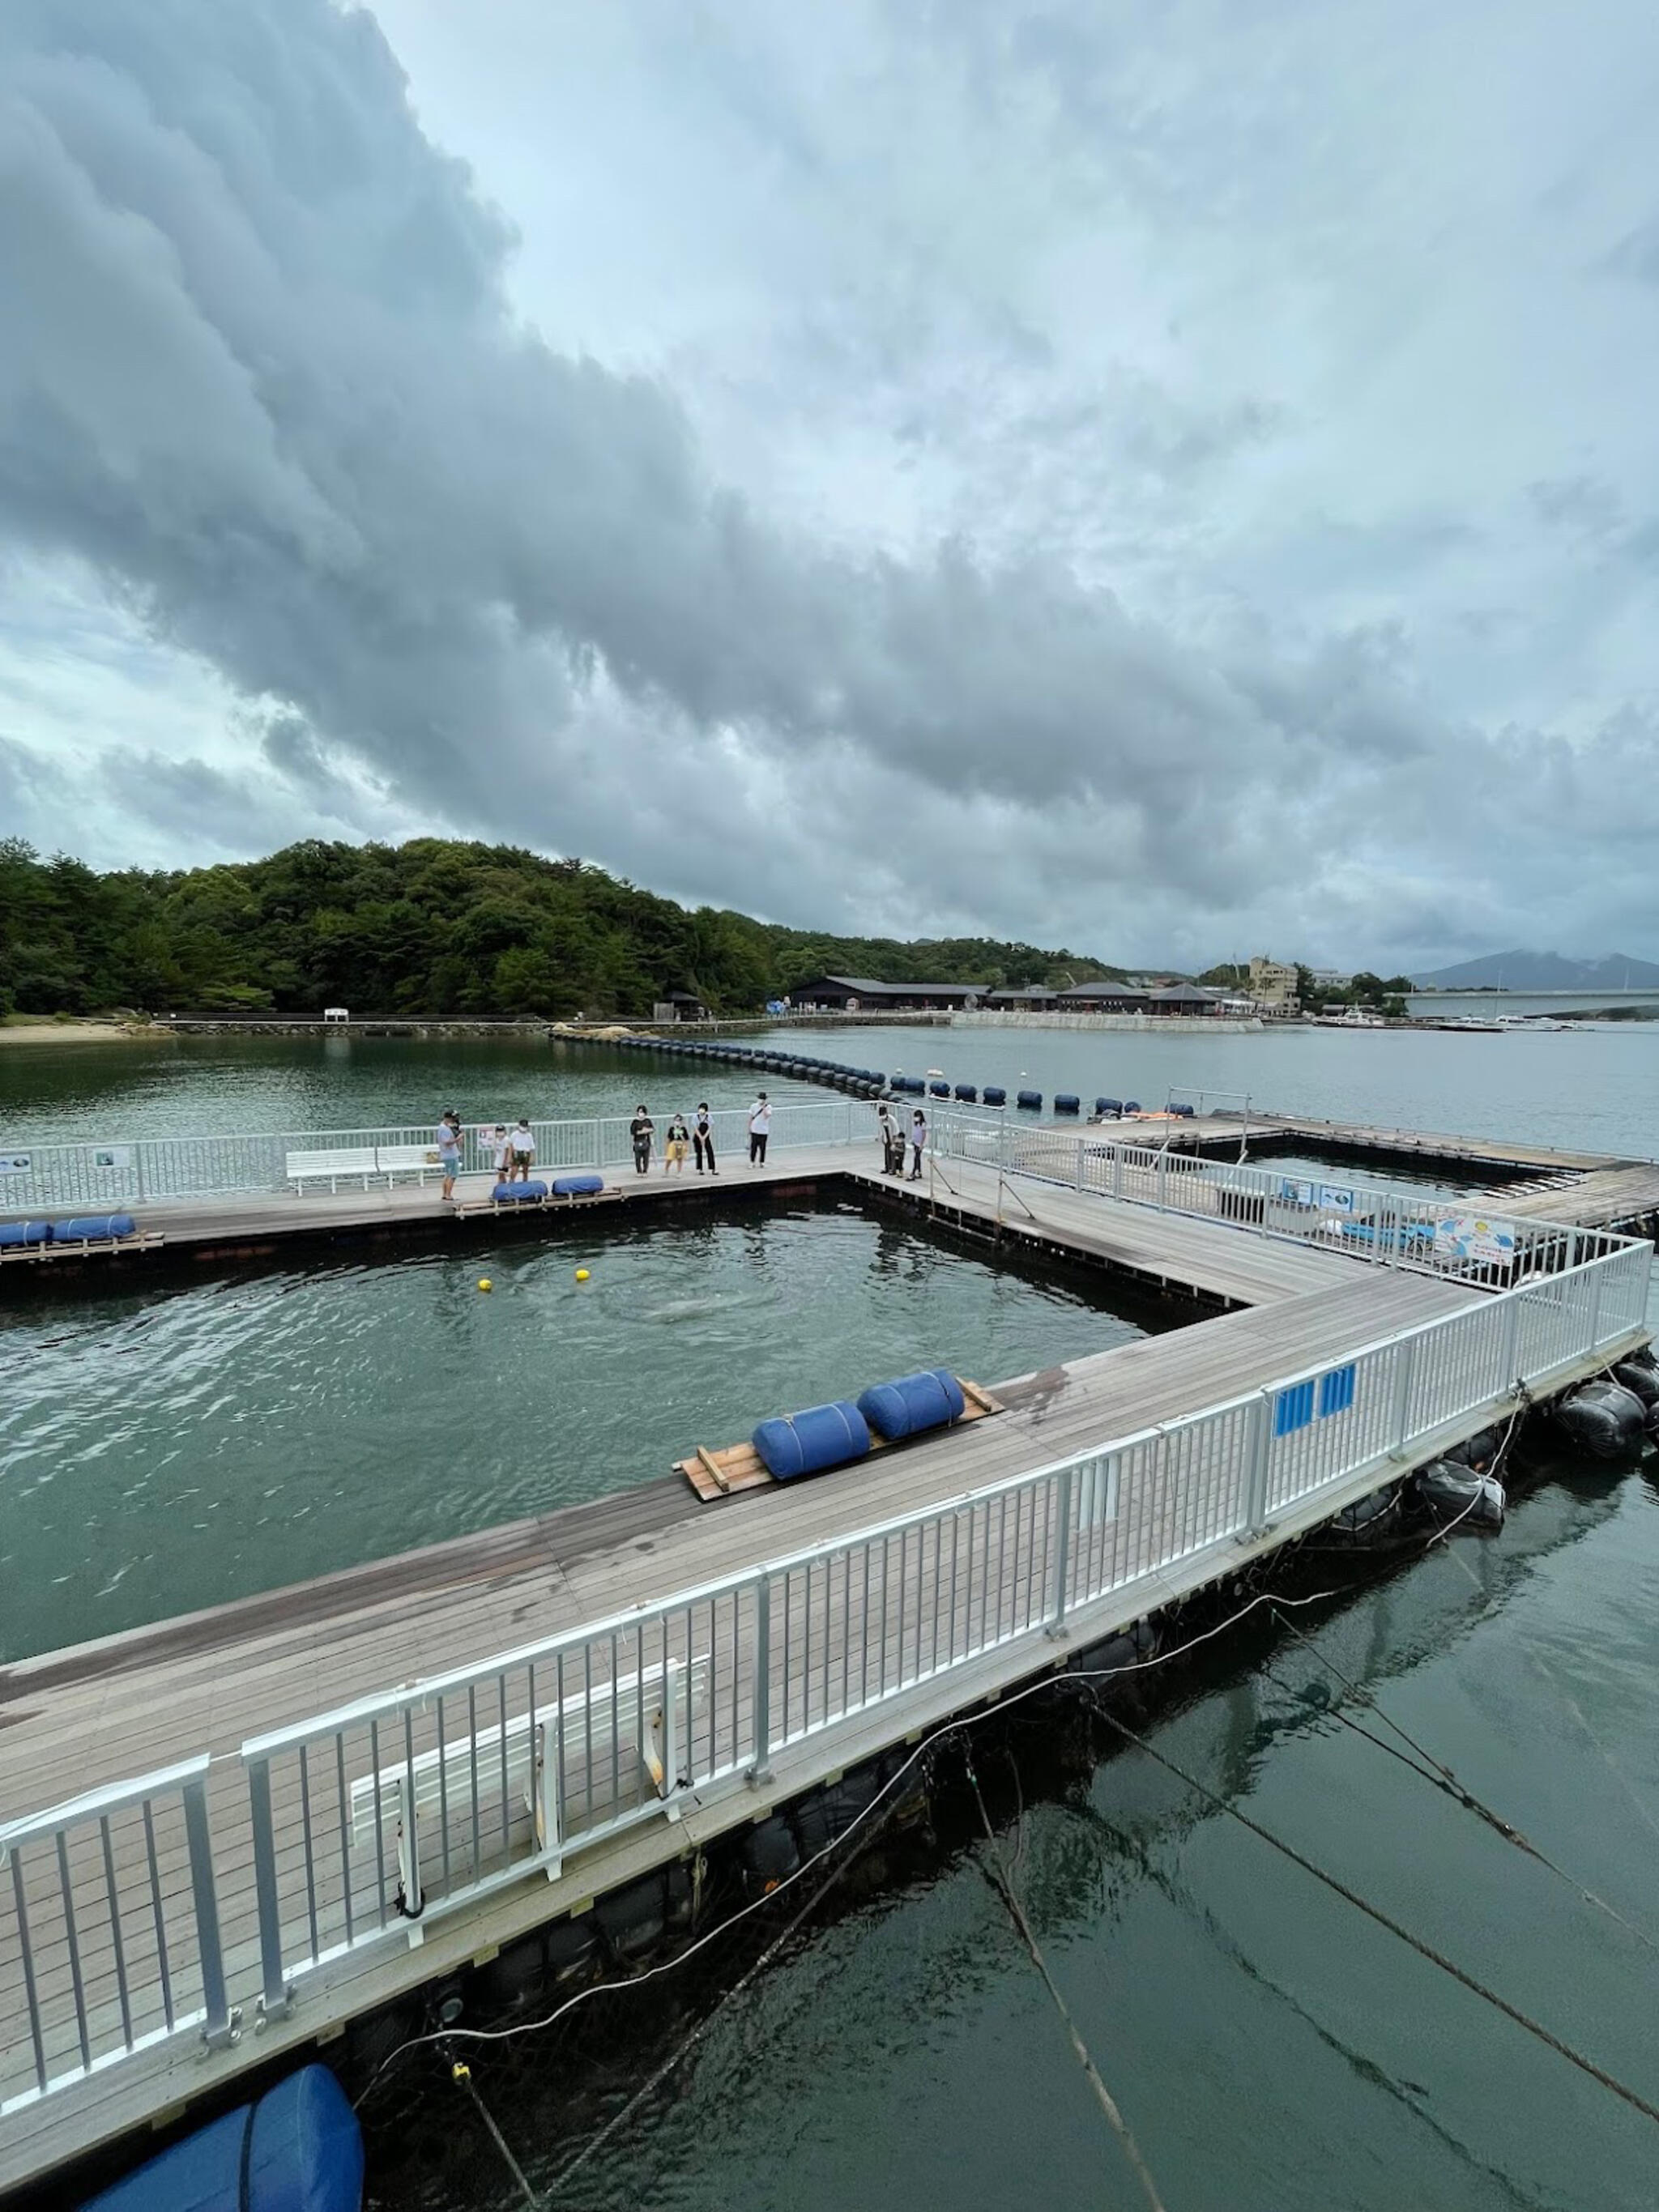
<point>1167,482</point>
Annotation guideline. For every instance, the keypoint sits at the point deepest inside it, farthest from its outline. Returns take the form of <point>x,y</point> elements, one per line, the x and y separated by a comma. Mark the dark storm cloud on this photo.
<point>259,372</point>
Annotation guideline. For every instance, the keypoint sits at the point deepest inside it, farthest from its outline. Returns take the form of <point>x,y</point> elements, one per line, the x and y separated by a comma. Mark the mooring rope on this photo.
<point>1441,1777</point>
<point>997,1875</point>
<point>1418,1944</point>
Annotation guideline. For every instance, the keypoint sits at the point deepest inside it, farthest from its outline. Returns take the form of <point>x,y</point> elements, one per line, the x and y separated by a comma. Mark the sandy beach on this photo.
<point>81,1032</point>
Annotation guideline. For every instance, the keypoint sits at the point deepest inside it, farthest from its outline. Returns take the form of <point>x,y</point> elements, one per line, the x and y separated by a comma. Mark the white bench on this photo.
<point>419,1160</point>
<point>361,1164</point>
<point>511,1759</point>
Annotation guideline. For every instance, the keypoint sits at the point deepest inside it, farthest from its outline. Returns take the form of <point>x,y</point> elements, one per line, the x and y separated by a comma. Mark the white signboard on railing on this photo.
<point>16,1163</point>
<point>1473,1236</point>
<point>118,1159</point>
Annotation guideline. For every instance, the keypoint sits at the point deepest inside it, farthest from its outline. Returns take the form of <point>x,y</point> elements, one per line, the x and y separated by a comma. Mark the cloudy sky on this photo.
<point>1173,479</point>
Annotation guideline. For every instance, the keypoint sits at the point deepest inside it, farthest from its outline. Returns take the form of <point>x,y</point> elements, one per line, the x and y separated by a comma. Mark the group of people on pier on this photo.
<point>699,1139</point>
<point>891,1137</point>
<point>512,1151</point>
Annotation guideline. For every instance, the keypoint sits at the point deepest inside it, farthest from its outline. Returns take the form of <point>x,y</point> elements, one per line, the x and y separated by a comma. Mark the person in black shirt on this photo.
<point>703,1139</point>
<point>641,1128</point>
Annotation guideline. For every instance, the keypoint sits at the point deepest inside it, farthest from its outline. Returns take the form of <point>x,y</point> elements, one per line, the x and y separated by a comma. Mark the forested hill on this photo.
<point>433,928</point>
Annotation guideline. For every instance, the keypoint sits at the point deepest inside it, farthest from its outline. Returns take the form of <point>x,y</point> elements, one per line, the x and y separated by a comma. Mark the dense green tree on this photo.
<point>432,928</point>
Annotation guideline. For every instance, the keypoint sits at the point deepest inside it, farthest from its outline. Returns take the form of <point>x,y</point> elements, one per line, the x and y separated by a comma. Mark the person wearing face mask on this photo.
<point>703,1139</point>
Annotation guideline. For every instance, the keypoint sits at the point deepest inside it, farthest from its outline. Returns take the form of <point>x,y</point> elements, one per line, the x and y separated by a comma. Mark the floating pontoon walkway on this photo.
<point>207,1822</point>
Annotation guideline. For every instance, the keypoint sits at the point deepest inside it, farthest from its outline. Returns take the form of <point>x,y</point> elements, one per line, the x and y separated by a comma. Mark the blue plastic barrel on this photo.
<point>805,1443</point>
<point>299,2150</point>
<point>939,1089</point>
<point>1132,1105</point>
<point>1109,1106</point>
<point>577,1186</point>
<point>86,1228</point>
<point>25,1232</point>
<point>1065,1102</point>
<point>995,1095</point>
<point>968,1093</point>
<point>913,1404</point>
<point>518,1194</point>
<point>1032,1098</point>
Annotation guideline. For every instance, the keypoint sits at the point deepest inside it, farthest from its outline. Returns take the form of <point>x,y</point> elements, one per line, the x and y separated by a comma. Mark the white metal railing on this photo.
<point>109,1949</point>
<point>419,1800</point>
<point>48,1179</point>
<point>1387,1222</point>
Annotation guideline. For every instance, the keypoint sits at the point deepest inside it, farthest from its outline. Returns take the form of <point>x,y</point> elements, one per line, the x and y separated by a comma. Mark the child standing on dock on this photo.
<point>674,1144</point>
<point>703,1137</point>
<point>918,1143</point>
<point>642,1129</point>
<point>760,1128</point>
<point>524,1150</point>
<point>500,1152</point>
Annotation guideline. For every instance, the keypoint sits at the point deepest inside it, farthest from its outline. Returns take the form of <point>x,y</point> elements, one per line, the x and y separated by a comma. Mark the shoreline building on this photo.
<point>1273,987</point>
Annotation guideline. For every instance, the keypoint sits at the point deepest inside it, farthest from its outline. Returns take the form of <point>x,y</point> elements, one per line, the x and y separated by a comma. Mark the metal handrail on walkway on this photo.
<point>1388,1224</point>
<point>142,1170</point>
<point>417,1801</point>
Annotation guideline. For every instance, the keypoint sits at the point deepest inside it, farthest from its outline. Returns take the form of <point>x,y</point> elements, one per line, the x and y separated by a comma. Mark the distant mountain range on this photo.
<point>1543,971</point>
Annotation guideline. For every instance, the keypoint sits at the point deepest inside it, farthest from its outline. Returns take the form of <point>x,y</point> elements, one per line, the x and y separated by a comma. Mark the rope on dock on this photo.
<point>1418,1944</point>
<point>461,2074</point>
<point>997,1875</point>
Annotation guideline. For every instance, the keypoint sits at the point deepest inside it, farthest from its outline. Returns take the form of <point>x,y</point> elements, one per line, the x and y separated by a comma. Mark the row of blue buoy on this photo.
<point>864,1082</point>
<point>871,1083</point>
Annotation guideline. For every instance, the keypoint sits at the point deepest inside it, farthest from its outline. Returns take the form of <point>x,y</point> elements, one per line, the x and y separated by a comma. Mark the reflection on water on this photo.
<point>161,1452</point>
<point>1269,2047</point>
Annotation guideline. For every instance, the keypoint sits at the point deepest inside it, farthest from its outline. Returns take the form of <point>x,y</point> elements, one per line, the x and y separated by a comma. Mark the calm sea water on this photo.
<point>167,1449</point>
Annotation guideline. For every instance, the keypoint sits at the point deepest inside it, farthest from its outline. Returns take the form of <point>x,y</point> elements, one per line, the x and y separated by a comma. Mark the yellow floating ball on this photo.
<point>581,1274</point>
<point>485,1282</point>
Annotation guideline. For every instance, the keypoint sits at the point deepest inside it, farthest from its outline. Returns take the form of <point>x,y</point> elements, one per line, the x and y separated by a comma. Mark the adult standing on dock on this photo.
<point>892,1141</point>
<point>703,1138</point>
<point>448,1134</point>
<point>918,1143</point>
<point>642,1129</point>
<point>760,1128</point>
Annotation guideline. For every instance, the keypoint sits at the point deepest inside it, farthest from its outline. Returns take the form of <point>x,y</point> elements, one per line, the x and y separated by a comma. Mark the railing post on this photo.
<point>223,2025</point>
<point>760,1693</point>
<point>1056,1623</point>
<point>1162,1173</point>
<point>1255,1486</point>
<point>1596,1308</point>
<point>1117,1168</point>
<point>1511,1375</point>
<point>551,1837</point>
<point>1405,1364</point>
<point>1077,1178</point>
<point>275,1999</point>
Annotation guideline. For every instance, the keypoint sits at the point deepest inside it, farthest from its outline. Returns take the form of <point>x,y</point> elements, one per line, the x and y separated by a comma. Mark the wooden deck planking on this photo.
<point>127,2094</point>
<point>129,1717</point>
<point>72,1719</point>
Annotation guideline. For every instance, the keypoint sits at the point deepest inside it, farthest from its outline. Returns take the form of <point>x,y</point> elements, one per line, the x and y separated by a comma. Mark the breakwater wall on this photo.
<point>1210,1024</point>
